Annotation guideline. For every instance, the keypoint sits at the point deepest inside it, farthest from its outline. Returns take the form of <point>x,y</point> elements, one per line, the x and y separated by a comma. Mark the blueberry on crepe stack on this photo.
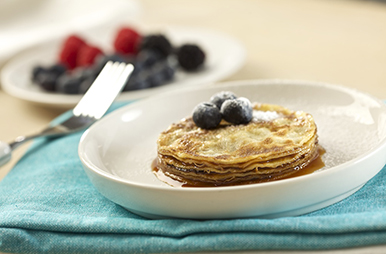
<point>250,143</point>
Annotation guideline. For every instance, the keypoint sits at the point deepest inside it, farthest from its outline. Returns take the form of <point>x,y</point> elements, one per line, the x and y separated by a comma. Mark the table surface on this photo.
<point>341,42</point>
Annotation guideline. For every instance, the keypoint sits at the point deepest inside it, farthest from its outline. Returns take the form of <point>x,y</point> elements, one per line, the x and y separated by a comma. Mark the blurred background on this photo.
<point>341,42</point>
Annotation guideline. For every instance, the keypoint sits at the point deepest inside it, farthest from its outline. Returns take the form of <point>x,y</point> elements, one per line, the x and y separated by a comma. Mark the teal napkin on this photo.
<point>48,205</point>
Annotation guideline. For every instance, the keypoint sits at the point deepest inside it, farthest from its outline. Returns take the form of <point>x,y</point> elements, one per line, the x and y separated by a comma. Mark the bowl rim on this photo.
<point>300,179</point>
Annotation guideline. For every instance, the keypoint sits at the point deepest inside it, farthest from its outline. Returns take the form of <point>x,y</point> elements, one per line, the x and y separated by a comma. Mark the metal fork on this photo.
<point>90,108</point>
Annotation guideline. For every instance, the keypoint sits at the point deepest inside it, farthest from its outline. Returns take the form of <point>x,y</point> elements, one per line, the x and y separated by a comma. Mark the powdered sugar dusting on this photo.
<point>265,116</point>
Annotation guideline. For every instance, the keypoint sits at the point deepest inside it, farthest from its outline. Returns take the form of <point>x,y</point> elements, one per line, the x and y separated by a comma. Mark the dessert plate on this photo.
<point>225,55</point>
<point>30,23</point>
<point>117,153</point>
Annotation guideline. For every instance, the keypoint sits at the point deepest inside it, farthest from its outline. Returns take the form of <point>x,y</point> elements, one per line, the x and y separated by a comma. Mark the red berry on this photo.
<point>87,55</point>
<point>126,41</point>
<point>69,51</point>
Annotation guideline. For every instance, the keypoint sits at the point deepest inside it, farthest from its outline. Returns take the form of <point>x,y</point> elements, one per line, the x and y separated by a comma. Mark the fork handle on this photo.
<point>5,153</point>
<point>6,149</point>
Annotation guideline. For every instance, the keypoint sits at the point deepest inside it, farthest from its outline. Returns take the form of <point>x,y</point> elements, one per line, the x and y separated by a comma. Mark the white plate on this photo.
<point>225,56</point>
<point>32,22</point>
<point>117,153</point>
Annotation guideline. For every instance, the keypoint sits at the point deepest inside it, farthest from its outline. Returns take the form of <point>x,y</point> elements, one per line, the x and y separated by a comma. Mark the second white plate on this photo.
<point>117,153</point>
<point>225,55</point>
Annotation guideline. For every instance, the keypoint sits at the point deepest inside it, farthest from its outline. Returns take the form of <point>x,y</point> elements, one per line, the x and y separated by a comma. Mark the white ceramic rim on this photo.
<point>302,178</point>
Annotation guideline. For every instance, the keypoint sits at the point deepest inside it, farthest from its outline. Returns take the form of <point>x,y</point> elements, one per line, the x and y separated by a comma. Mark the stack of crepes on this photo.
<point>277,142</point>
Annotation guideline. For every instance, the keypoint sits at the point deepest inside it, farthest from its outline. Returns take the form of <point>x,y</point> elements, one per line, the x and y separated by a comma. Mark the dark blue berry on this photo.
<point>237,111</point>
<point>156,79</point>
<point>57,69</point>
<point>69,84</point>
<point>101,61</point>
<point>206,115</point>
<point>165,69</point>
<point>85,85</point>
<point>137,82</point>
<point>219,98</point>
<point>168,71</point>
<point>46,77</point>
<point>47,81</point>
<point>36,71</point>
<point>147,58</point>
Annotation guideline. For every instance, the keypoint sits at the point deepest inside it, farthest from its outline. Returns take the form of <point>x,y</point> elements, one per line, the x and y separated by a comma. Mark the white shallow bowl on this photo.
<point>32,22</point>
<point>16,74</point>
<point>117,153</point>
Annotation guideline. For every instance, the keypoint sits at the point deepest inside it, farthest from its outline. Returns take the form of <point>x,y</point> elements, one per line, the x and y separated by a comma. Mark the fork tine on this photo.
<point>92,92</point>
<point>120,74</point>
<point>104,90</point>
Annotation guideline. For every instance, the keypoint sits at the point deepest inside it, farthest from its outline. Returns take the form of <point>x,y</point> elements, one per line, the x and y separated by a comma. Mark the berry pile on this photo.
<point>154,57</point>
<point>223,105</point>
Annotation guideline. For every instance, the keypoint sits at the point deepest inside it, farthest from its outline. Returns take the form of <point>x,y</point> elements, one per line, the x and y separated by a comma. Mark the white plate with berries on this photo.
<point>118,152</point>
<point>57,73</point>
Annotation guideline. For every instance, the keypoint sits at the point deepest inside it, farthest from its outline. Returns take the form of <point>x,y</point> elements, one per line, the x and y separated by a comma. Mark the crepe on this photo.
<point>275,144</point>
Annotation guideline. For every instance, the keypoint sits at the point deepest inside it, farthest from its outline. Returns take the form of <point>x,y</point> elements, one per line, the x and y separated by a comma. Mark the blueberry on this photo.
<point>103,59</point>
<point>46,77</point>
<point>69,84</point>
<point>85,73</point>
<point>237,111</point>
<point>165,69</point>
<point>85,85</point>
<point>219,98</point>
<point>137,82</point>
<point>147,58</point>
<point>206,115</point>
<point>57,69</point>
<point>156,79</point>
<point>168,71</point>
<point>36,71</point>
<point>47,81</point>
<point>160,73</point>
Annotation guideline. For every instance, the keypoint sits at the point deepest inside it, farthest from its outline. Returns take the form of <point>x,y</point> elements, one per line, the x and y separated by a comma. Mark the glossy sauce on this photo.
<point>175,181</point>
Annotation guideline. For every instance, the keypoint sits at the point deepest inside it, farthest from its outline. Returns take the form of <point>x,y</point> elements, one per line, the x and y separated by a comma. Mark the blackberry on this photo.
<point>219,98</point>
<point>190,57</point>
<point>157,42</point>
<point>237,111</point>
<point>206,115</point>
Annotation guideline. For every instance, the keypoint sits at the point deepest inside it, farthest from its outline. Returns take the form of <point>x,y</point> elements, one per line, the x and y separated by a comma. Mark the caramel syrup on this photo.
<point>176,181</point>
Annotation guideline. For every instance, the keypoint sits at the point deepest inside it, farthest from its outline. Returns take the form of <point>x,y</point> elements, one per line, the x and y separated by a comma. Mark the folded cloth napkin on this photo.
<point>48,205</point>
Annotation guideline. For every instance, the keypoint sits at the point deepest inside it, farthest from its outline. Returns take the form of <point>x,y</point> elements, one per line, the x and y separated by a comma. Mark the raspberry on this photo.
<point>190,57</point>
<point>126,41</point>
<point>69,51</point>
<point>87,55</point>
<point>158,43</point>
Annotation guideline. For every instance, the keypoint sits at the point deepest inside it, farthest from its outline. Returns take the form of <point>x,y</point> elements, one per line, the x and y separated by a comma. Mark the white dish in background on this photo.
<point>27,23</point>
<point>225,56</point>
<point>117,153</point>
